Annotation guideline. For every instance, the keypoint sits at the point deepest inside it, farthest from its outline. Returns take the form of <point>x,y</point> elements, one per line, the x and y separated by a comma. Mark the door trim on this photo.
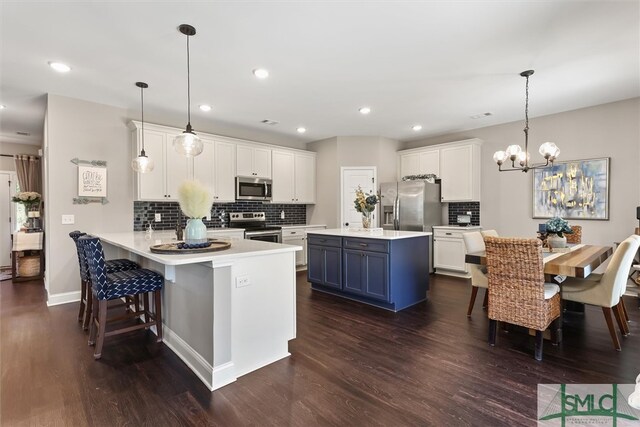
<point>375,187</point>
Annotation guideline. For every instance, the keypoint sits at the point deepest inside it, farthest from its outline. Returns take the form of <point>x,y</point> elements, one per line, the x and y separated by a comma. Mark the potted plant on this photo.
<point>365,203</point>
<point>195,201</point>
<point>556,230</point>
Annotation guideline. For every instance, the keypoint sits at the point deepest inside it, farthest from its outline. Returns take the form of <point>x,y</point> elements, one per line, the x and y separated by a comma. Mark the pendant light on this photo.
<point>514,152</point>
<point>142,163</point>
<point>188,143</point>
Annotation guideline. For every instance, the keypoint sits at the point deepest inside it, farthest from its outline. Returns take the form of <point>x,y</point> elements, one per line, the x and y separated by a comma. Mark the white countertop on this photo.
<point>138,242</point>
<point>457,227</point>
<point>384,234</point>
<point>302,226</point>
<point>215,230</point>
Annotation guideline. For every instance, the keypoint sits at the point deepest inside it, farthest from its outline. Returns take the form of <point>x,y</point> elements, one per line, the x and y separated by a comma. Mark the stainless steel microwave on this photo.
<point>251,188</point>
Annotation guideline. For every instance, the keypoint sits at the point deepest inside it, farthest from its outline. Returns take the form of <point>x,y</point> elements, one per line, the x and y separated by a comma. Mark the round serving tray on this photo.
<point>172,248</point>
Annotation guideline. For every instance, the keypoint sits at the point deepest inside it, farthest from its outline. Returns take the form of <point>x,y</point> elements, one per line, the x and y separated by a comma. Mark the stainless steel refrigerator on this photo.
<point>411,206</point>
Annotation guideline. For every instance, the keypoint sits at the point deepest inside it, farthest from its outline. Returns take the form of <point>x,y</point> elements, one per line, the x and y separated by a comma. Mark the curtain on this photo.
<point>29,172</point>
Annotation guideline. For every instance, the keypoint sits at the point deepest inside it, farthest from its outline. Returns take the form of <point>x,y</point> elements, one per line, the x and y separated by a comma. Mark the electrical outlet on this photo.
<point>468,212</point>
<point>242,281</point>
<point>68,219</point>
<point>209,216</point>
<point>158,217</point>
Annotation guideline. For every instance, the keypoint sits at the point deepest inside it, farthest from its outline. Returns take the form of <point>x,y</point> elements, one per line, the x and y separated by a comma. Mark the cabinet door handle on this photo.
<point>294,232</point>
<point>364,245</point>
<point>448,234</point>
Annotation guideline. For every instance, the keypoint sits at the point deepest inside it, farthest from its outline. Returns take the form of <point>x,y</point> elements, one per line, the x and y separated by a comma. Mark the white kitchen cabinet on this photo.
<point>294,177</point>
<point>253,161</point>
<point>449,250</point>
<point>169,171</point>
<point>203,165</point>
<point>420,163</point>
<point>460,173</point>
<point>298,236</point>
<point>224,172</point>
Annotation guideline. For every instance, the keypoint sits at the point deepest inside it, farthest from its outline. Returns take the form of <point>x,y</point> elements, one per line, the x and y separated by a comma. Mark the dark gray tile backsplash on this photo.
<point>144,212</point>
<point>462,208</point>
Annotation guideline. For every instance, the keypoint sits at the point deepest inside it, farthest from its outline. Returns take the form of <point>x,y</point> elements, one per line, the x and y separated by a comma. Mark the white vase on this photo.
<point>554,241</point>
<point>195,231</point>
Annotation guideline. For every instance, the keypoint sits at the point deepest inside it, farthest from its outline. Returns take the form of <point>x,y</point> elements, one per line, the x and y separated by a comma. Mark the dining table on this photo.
<point>579,261</point>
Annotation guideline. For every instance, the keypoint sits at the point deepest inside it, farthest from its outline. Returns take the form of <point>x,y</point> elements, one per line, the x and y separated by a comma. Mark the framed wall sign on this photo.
<point>577,189</point>
<point>92,181</point>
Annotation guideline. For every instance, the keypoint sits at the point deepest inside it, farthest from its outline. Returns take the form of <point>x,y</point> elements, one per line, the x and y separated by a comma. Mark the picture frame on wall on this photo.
<point>576,189</point>
<point>92,181</point>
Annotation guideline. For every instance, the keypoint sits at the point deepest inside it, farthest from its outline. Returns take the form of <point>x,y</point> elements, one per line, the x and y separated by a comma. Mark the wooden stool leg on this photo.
<point>102,325</point>
<point>622,323</point>
<point>147,307</point>
<point>158,315</point>
<point>474,292</point>
<point>88,308</point>
<point>93,313</point>
<point>83,299</point>
<point>493,331</point>
<point>614,336</point>
<point>539,344</point>
<point>136,301</point>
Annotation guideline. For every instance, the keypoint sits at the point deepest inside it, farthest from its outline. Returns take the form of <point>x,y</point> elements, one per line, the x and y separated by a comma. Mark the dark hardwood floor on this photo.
<point>350,365</point>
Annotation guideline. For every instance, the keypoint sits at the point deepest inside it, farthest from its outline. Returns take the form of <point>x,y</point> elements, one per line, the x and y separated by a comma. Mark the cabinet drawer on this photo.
<point>374,245</point>
<point>292,232</point>
<point>315,239</point>
<point>449,234</point>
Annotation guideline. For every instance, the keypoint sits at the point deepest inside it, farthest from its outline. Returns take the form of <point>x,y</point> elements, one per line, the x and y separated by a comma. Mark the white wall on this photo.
<point>342,151</point>
<point>608,130</point>
<point>7,163</point>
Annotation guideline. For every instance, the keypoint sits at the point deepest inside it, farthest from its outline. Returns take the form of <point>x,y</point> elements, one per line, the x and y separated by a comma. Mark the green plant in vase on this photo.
<point>556,229</point>
<point>195,202</point>
<point>365,203</point>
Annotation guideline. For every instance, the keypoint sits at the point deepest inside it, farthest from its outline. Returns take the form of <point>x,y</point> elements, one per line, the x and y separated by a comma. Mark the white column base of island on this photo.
<point>224,313</point>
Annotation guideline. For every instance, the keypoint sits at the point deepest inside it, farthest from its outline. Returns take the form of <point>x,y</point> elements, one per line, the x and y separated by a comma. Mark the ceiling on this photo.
<point>429,63</point>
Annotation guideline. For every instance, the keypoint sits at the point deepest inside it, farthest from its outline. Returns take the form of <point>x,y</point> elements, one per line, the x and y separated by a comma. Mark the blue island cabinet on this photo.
<point>391,274</point>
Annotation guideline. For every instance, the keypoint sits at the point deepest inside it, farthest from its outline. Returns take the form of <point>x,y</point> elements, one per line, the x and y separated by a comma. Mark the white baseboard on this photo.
<point>63,298</point>
<point>213,378</point>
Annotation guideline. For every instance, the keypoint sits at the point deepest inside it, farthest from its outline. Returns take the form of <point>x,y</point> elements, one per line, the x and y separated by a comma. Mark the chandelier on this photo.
<point>515,153</point>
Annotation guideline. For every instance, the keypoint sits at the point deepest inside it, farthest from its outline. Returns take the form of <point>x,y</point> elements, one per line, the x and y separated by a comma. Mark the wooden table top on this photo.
<point>578,263</point>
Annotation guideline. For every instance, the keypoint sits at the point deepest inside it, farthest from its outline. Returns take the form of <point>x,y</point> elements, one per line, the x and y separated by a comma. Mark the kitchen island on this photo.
<point>387,269</point>
<point>225,313</point>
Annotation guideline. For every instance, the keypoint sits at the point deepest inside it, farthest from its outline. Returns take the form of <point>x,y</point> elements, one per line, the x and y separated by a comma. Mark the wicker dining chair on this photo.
<point>517,292</point>
<point>576,236</point>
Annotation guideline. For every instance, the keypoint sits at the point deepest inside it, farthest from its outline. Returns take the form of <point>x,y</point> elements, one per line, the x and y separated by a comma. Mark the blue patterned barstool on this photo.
<point>113,266</point>
<point>107,286</point>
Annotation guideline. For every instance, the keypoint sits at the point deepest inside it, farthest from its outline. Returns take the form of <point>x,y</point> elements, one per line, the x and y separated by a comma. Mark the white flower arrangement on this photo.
<point>194,198</point>
<point>27,198</point>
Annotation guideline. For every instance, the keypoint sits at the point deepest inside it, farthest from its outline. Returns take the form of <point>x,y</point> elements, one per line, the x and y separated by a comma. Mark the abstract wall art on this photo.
<point>577,189</point>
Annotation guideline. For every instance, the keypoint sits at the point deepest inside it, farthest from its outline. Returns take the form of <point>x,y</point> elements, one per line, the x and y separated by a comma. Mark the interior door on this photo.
<point>364,177</point>
<point>5,220</point>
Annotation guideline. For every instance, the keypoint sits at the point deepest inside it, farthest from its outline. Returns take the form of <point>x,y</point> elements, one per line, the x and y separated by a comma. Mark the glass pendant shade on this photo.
<point>142,164</point>
<point>549,150</point>
<point>523,157</point>
<point>499,157</point>
<point>513,151</point>
<point>188,144</point>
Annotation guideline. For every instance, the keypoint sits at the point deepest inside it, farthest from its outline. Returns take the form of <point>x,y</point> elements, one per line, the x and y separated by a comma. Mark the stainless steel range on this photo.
<point>255,226</point>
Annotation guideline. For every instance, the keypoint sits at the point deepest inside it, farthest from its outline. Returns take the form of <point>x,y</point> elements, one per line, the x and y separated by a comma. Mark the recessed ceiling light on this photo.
<point>416,127</point>
<point>364,110</point>
<point>261,73</point>
<point>2,107</point>
<point>301,129</point>
<point>60,67</point>
<point>205,107</point>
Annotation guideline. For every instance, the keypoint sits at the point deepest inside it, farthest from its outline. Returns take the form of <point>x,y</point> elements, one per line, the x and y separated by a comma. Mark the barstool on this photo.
<point>113,266</point>
<point>107,286</point>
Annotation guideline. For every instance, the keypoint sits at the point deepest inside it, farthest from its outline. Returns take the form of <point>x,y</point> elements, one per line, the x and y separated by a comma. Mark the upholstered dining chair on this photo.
<point>489,233</point>
<point>112,266</point>
<point>604,290</point>
<point>623,290</point>
<point>107,286</point>
<point>474,242</point>
<point>576,236</point>
<point>517,292</point>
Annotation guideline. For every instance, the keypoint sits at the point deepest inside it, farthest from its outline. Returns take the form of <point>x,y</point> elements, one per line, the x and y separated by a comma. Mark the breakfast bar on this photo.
<point>225,313</point>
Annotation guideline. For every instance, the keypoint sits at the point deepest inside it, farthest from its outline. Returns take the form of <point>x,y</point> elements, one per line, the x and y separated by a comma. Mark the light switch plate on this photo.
<point>209,216</point>
<point>68,219</point>
<point>158,217</point>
